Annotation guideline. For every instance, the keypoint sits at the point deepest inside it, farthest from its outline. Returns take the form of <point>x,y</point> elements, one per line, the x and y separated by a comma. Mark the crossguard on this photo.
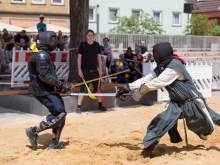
<point>116,89</point>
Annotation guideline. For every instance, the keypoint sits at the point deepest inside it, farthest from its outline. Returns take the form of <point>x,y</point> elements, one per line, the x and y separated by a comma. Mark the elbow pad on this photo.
<point>43,69</point>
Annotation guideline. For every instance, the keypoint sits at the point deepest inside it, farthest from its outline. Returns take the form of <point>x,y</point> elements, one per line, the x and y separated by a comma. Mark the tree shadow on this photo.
<point>44,141</point>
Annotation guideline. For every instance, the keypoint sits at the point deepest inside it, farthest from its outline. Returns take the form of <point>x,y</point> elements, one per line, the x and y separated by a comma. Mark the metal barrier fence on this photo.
<point>179,42</point>
<point>121,42</point>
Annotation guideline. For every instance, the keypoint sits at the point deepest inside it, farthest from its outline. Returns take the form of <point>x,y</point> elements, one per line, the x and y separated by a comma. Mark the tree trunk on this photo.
<point>79,16</point>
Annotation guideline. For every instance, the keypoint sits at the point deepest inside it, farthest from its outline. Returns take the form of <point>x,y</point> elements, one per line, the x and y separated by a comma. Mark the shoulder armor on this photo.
<point>42,56</point>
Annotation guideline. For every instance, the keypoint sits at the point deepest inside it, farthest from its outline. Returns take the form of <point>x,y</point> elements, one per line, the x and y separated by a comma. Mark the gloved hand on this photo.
<point>120,93</point>
<point>64,87</point>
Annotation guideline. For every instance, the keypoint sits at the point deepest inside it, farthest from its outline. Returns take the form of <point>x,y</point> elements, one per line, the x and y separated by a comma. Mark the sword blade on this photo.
<point>95,94</point>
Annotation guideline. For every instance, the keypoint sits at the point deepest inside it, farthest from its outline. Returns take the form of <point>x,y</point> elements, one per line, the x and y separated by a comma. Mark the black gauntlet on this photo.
<point>120,93</point>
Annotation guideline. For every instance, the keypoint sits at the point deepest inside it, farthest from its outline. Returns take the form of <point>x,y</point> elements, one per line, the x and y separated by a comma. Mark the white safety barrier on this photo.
<point>215,74</point>
<point>215,63</point>
<point>20,75</point>
<point>201,75</point>
<point>148,67</point>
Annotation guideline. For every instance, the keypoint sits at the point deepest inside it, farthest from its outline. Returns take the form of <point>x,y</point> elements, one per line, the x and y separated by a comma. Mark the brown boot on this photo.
<point>147,152</point>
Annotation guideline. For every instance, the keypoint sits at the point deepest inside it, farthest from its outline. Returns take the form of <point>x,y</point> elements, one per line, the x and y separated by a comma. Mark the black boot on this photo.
<point>32,136</point>
<point>55,144</point>
<point>147,152</point>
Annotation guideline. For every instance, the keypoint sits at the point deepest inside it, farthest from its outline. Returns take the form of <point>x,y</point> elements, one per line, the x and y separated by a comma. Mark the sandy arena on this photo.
<point>111,138</point>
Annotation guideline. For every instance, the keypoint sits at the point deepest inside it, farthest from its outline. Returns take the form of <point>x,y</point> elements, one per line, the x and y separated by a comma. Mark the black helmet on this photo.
<point>48,39</point>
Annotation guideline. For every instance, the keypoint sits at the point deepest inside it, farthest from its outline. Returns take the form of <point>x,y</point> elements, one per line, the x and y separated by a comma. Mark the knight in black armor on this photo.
<point>43,81</point>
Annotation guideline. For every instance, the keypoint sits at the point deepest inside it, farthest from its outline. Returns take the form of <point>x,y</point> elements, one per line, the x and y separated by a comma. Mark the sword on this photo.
<point>94,94</point>
<point>96,79</point>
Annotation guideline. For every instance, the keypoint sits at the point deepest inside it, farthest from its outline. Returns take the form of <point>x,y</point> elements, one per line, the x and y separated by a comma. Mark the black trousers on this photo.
<point>89,75</point>
<point>54,104</point>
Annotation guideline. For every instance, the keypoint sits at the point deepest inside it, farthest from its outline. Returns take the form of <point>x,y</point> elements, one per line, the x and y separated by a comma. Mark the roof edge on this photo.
<point>34,13</point>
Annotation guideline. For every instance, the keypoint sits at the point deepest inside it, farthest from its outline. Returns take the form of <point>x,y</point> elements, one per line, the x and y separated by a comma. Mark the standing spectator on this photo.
<point>41,26</point>
<point>6,38</point>
<point>88,59</point>
<point>107,46</point>
<point>21,40</point>
<point>143,47</point>
<point>107,50</point>
<point>60,41</point>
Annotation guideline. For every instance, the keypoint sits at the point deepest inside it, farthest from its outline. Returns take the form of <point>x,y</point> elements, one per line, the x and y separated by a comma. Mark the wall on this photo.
<point>61,12</point>
<point>28,11</point>
<point>7,5</point>
<point>125,9</point>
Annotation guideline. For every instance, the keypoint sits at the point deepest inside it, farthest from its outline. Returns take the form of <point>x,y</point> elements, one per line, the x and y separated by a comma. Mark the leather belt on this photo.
<point>191,99</point>
<point>92,70</point>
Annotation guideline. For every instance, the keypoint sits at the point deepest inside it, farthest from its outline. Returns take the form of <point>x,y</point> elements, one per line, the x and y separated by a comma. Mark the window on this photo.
<point>38,1</point>
<point>57,2</point>
<point>136,14</point>
<point>17,1</point>
<point>113,13</point>
<point>92,15</point>
<point>157,17</point>
<point>176,19</point>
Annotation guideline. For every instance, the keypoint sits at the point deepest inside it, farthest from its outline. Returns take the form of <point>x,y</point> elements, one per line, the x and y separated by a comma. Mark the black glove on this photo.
<point>120,93</point>
<point>64,87</point>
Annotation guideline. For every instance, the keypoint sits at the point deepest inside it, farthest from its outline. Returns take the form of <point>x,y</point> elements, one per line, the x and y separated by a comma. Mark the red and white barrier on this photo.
<point>20,75</point>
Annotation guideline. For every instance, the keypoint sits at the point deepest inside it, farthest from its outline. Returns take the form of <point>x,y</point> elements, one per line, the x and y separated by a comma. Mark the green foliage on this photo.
<point>145,24</point>
<point>201,25</point>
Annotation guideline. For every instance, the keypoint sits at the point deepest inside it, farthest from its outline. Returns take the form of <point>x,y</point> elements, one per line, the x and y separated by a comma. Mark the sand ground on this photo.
<point>111,138</point>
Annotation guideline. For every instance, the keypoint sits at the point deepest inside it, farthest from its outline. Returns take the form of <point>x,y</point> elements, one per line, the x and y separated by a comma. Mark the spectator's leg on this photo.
<point>95,87</point>
<point>86,76</point>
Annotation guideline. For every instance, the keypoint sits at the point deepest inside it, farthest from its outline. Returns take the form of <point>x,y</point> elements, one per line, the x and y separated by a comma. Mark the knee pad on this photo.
<point>57,121</point>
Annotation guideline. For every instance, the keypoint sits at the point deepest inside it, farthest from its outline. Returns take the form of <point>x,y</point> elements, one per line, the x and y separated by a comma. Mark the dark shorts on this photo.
<point>89,75</point>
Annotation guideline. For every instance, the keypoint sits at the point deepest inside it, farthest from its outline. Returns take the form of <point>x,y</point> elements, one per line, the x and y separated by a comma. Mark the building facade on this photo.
<point>25,13</point>
<point>102,13</point>
<point>169,14</point>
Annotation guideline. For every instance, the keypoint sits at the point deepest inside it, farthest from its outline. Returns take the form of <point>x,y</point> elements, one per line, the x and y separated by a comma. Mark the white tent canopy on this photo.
<point>50,27</point>
<point>10,28</point>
